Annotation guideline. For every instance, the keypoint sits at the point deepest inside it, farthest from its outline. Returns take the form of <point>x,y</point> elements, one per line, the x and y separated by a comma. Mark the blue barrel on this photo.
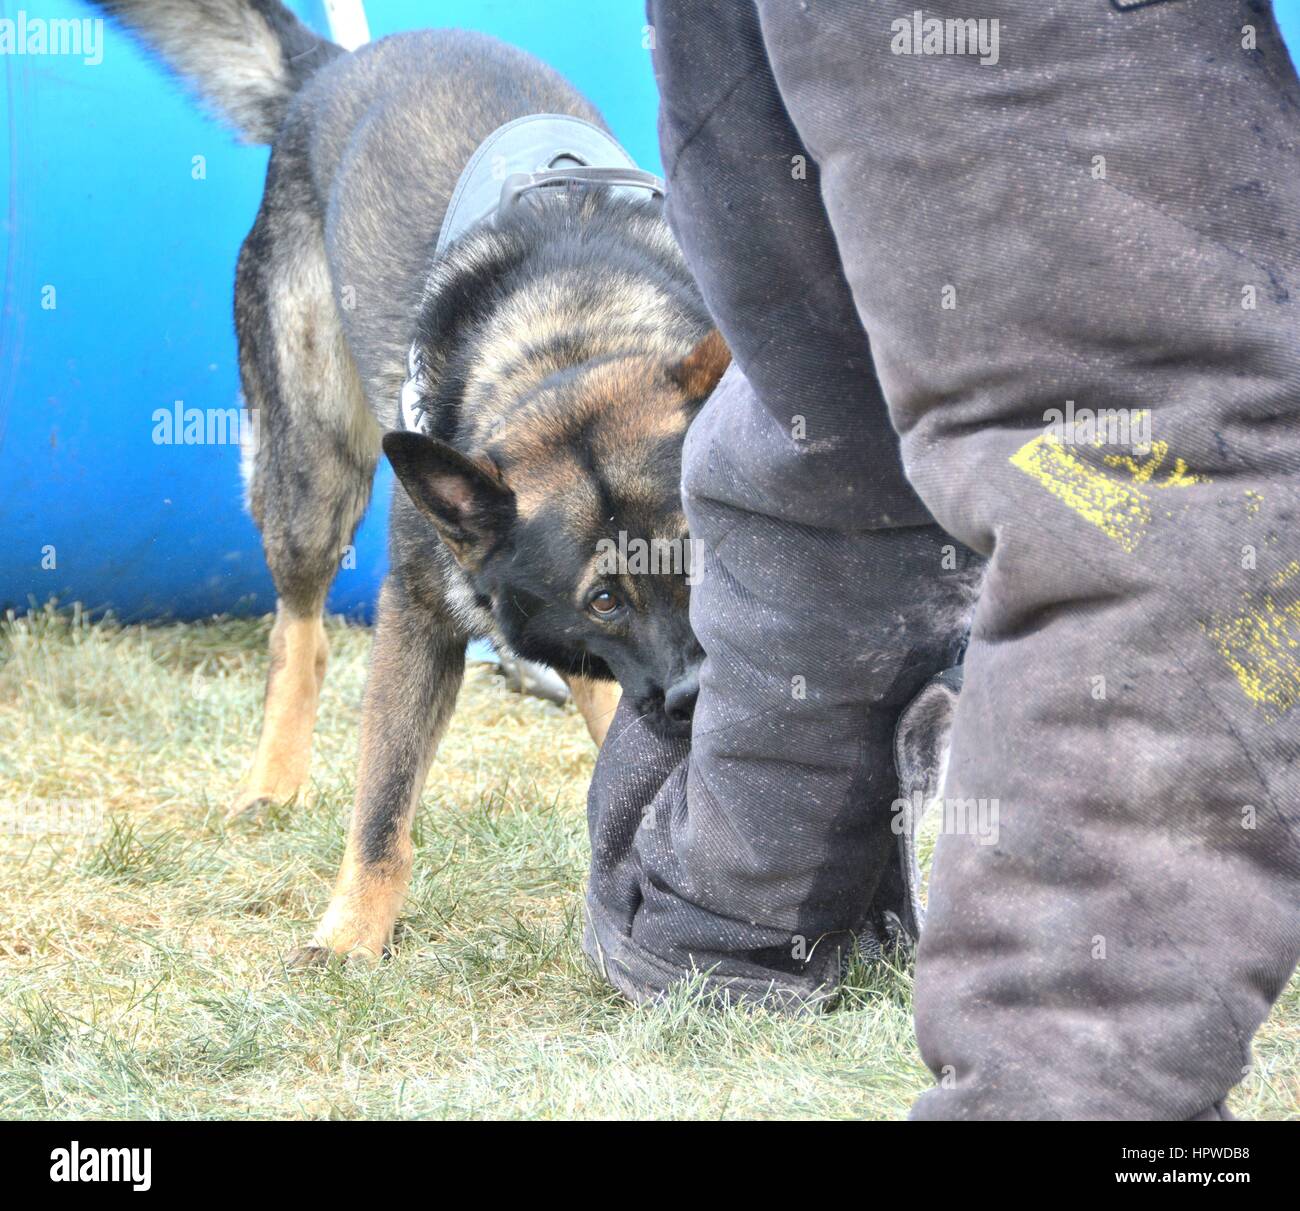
<point>126,206</point>
<point>125,210</point>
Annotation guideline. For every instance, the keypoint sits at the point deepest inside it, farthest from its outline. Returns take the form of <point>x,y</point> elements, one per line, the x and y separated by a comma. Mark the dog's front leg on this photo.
<point>416,668</point>
<point>597,701</point>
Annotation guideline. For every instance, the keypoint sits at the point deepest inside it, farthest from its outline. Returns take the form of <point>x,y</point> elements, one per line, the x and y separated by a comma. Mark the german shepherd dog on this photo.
<point>562,352</point>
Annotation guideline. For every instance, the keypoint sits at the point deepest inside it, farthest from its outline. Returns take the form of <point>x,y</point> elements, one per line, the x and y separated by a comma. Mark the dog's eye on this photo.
<point>603,604</point>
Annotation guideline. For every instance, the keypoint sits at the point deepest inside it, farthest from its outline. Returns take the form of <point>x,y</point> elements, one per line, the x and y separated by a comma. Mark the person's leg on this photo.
<point>1105,216</point>
<point>828,597</point>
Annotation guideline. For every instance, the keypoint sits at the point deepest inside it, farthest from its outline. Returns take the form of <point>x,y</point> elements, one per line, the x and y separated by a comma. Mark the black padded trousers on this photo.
<point>1049,257</point>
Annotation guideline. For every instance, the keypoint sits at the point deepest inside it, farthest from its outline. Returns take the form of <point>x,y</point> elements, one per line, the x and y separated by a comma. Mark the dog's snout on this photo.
<point>679,701</point>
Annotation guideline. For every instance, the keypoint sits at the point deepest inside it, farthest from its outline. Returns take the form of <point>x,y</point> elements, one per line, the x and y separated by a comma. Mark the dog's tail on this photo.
<point>245,57</point>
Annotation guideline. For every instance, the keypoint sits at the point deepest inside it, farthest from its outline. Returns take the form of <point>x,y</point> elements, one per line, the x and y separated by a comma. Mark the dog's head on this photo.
<point>568,521</point>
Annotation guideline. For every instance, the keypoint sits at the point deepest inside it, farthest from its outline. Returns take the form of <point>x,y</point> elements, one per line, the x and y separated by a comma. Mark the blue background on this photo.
<point>99,202</point>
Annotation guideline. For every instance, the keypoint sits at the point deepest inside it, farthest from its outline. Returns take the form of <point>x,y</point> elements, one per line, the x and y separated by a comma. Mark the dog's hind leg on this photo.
<point>416,668</point>
<point>310,470</point>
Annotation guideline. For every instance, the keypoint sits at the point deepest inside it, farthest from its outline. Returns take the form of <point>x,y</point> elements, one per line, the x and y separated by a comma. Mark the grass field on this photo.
<point>140,939</point>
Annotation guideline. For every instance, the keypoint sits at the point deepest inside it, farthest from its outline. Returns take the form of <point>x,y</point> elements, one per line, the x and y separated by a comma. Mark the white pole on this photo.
<point>348,24</point>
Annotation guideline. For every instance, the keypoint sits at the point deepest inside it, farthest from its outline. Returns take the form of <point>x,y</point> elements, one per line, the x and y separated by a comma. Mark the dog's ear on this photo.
<point>699,371</point>
<point>467,500</point>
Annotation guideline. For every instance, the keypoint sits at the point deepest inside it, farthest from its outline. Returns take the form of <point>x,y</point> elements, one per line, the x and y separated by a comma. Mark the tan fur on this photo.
<point>626,403</point>
<point>634,316</point>
<point>597,700</point>
<point>699,372</point>
<point>358,924</point>
<point>299,652</point>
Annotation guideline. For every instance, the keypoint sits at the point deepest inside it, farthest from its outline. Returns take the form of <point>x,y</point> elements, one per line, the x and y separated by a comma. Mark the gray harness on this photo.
<point>515,162</point>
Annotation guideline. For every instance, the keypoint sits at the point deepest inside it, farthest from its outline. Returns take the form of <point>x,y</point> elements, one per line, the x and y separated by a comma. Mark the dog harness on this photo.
<point>509,168</point>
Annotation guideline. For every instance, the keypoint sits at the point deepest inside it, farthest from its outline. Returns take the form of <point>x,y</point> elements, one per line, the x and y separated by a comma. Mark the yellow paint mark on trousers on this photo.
<point>1287,574</point>
<point>1143,472</point>
<point>1262,645</point>
<point>1118,510</point>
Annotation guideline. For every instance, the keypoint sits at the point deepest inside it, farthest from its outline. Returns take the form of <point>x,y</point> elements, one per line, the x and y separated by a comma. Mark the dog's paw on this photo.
<point>308,956</point>
<point>347,933</point>
<point>249,801</point>
<point>315,956</point>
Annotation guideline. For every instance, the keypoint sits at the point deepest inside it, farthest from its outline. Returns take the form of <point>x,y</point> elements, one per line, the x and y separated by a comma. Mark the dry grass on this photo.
<point>140,947</point>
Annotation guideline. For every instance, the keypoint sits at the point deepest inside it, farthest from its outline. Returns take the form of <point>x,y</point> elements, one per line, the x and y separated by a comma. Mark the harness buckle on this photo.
<point>517,184</point>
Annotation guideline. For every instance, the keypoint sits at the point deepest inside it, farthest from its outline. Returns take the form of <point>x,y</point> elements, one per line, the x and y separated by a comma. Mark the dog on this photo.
<point>530,380</point>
